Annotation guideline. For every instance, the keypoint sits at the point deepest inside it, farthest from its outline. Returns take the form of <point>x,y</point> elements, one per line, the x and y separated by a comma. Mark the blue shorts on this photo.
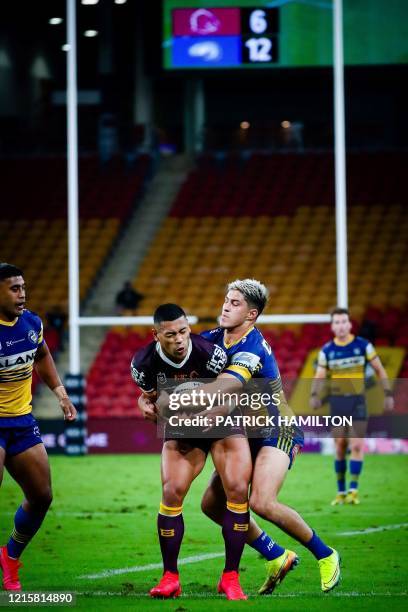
<point>19,433</point>
<point>289,444</point>
<point>348,405</point>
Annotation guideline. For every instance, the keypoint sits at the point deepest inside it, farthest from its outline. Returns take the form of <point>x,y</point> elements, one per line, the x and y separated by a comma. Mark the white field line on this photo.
<point>84,514</point>
<point>359,512</point>
<point>373,529</point>
<point>207,595</point>
<point>150,566</point>
<point>81,514</point>
<point>197,558</point>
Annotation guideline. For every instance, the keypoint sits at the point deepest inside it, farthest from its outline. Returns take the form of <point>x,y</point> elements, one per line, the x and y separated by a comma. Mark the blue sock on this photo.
<point>340,467</point>
<point>355,471</point>
<point>318,548</point>
<point>267,547</point>
<point>26,525</point>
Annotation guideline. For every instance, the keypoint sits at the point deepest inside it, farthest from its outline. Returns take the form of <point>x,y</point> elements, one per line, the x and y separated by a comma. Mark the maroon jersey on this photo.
<point>150,367</point>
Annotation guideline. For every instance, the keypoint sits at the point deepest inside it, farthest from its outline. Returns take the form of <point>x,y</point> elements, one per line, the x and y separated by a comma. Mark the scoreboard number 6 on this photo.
<point>257,22</point>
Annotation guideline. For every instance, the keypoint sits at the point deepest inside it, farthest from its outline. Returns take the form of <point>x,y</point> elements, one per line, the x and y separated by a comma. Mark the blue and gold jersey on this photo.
<point>347,362</point>
<point>249,357</point>
<point>252,362</point>
<point>19,341</point>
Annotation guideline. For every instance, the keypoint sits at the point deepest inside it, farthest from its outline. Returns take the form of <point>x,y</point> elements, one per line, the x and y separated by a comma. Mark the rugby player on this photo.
<point>178,354</point>
<point>250,358</point>
<point>22,452</point>
<point>344,359</point>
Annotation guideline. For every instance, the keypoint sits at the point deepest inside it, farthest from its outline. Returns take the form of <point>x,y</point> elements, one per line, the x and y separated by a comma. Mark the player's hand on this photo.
<point>389,404</point>
<point>147,408</point>
<point>68,409</point>
<point>315,402</point>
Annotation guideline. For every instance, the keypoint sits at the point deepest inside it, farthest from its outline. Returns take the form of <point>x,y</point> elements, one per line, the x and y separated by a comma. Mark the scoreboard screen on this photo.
<point>251,34</point>
<point>224,37</point>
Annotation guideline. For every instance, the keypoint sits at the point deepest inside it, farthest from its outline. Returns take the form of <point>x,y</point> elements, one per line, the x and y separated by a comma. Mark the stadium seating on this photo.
<point>33,227</point>
<point>116,394</point>
<point>272,218</point>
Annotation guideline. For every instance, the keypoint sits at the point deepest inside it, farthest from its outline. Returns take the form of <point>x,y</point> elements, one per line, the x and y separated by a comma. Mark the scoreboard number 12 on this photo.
<point>260,28</point>
<point>259,49</point>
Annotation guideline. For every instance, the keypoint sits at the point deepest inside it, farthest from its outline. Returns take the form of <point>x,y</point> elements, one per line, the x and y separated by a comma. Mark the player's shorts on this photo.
<point>206,441</point>
<point>286,441</point>
<point>19,433</point>
<point>348,405</point>
<point>187,444</point>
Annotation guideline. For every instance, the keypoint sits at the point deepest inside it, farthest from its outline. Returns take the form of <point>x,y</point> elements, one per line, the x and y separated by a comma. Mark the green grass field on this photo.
<point>103,518</point>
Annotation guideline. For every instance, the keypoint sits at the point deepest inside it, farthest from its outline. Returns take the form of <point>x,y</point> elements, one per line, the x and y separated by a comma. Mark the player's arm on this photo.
<point>45,368</point>
<point>318,384</point>
<point>147,385</point>
<point>385,381</point>
<point>205,397</point>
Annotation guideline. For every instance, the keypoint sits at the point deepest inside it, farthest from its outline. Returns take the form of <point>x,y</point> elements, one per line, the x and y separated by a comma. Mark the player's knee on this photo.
<point>263,507</point>
<point>356,448</point>
<point>173,494</point>
<point>237,493</point>
<point>341,447</point>
<point>257,504</point>
<point>42,500</point>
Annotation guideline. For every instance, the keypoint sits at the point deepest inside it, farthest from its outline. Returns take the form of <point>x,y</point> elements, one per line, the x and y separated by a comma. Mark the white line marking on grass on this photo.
<point>360,512</point>
<point>90,513</point>
<point>150,566</point>
<point>208,595</point>
<point>373,529</point>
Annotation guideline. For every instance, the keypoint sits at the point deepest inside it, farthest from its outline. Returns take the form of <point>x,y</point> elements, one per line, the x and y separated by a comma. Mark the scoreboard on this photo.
<point>254,34</point>
<point>224,37</point>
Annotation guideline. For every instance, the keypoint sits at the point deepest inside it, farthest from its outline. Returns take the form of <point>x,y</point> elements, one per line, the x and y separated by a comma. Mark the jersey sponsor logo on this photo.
<point>192,374</point>
<point>347,362</point>
<point>12,342</point>
<point>218,360</point>
<point>16,360</point>
<point>138,377</point>
<point>246,360</point>
<point>33,336</point>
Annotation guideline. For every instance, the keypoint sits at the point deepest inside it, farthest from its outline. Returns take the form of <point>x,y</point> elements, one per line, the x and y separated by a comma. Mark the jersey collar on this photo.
<point>174,364</point>
<point>344,342</point>
<point>9,323</point>
<point>228,345</point>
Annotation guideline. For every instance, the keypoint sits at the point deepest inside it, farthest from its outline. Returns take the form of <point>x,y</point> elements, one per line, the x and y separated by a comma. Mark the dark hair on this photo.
<point>339,311</point>
<point>7,271</point>
<point>167,312</point>
<point>255,293</point>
